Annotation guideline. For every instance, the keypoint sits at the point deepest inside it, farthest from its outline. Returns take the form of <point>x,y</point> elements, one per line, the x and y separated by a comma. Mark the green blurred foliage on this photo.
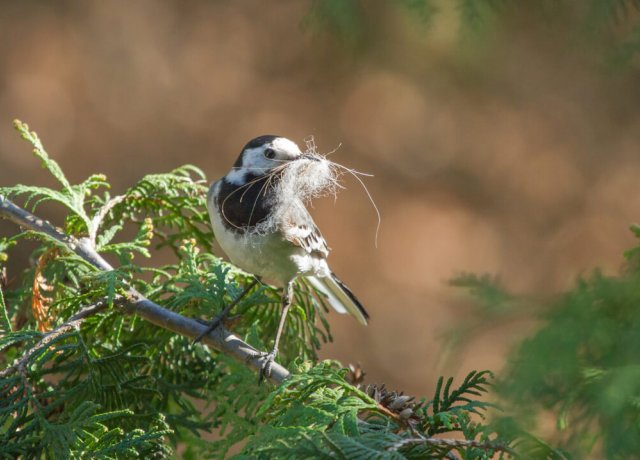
<point>610,27</point>
<point>582,364</point>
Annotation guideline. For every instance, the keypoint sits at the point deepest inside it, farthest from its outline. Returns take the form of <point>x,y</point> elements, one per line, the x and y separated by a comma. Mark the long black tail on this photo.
<point>340,296</point>
<point>351,295</point>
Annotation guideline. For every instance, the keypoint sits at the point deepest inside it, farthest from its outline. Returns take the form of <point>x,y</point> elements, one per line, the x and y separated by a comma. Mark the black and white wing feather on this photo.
<point>340,297</point>
<point>308,237</point>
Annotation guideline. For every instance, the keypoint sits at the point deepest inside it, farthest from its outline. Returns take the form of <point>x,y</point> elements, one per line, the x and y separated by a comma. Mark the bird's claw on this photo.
<point>267,362</point>
<point>211,326</point>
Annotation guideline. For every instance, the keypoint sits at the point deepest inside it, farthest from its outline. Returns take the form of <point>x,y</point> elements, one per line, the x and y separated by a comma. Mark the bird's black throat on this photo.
<point>246,205</point>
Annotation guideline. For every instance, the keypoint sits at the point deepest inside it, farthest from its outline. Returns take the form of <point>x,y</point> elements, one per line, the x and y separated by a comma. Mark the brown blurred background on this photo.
<point>512,150</point>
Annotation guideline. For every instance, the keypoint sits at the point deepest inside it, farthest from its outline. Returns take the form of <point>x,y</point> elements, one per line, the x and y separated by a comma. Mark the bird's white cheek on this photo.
<point>257,161</point>
<point>236,176</point>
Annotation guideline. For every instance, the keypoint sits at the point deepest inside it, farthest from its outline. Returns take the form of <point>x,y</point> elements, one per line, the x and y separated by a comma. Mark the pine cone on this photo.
<point>404,406</point>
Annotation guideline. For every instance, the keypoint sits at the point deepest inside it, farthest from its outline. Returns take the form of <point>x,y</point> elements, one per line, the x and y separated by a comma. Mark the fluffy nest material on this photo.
<point>295,184</point>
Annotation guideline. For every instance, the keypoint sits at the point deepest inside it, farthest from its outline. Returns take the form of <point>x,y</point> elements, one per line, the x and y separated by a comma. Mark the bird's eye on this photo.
<point>270,153</point>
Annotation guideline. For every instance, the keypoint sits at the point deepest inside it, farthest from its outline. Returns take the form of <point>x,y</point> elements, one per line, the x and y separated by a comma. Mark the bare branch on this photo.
<point>220,339</point>
<point>101,214</point>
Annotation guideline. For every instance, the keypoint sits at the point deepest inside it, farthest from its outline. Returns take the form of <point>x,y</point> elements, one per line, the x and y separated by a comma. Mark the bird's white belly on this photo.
<point>269,256</point>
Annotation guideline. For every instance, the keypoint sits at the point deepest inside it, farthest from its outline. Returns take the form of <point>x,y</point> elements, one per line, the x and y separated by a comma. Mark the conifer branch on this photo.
<point>72,323</point>
<point>134,302</point>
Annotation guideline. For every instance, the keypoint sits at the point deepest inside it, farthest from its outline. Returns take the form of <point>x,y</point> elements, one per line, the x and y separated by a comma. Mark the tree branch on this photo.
<point>72,323</point>
<point>220,339</point>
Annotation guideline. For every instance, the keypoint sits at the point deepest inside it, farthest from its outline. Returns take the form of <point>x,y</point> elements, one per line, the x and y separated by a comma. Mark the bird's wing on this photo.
<point>305,234</point>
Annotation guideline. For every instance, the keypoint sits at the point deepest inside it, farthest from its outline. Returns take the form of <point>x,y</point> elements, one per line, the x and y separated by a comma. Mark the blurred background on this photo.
<point>502,140</point>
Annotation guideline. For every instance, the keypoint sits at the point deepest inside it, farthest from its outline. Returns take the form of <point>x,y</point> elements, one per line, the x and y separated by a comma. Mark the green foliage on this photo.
<point>486,290</point>
<point>318,414</point>
<point>341,17</point>
<point>71,196</point>
<point>82,412</point>
<point>79,378</point>
<point>583,363</point>
<point>609,26</point>
<point>447,400</point>
<point>5,324</point>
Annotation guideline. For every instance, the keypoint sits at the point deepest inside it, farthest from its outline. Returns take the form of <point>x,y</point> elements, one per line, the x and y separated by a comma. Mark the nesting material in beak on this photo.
<point>298,182</point>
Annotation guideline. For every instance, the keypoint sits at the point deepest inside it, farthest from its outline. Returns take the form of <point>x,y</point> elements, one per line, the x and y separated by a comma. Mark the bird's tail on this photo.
<point>340,296</point>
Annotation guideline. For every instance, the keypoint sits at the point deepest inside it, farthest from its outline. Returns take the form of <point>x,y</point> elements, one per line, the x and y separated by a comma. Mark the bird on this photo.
<point>264,228</point>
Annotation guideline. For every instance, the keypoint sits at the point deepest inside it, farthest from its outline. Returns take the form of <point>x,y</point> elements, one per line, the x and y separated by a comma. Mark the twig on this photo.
<point>220,339</point>
<point>101,214</point>
<point>72,323</point>
<point>4,315</point>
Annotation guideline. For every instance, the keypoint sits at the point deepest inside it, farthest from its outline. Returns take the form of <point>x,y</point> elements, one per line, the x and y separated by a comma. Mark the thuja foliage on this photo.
<point>609,27</point>
<point>582,365</point>
<point>81,378</point>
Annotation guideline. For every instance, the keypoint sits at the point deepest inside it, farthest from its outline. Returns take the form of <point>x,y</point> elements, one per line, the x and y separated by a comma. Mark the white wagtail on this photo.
<point>260,220</point>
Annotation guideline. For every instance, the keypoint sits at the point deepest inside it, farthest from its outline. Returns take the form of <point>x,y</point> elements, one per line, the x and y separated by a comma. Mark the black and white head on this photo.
<point>262,155</point>
<point>280,170</point>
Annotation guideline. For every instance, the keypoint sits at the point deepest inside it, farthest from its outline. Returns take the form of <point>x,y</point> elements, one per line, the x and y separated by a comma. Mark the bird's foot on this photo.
<point>211,326</point>
<point>267,362</point>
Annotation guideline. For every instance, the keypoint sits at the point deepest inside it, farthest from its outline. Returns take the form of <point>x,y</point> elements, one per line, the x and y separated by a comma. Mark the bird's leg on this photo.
<point>217,320</point>
<point>287,299</point>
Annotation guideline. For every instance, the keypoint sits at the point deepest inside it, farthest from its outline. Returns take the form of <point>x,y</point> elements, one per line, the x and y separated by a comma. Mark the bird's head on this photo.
<point>292,174</point>
<point>262,155</point>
